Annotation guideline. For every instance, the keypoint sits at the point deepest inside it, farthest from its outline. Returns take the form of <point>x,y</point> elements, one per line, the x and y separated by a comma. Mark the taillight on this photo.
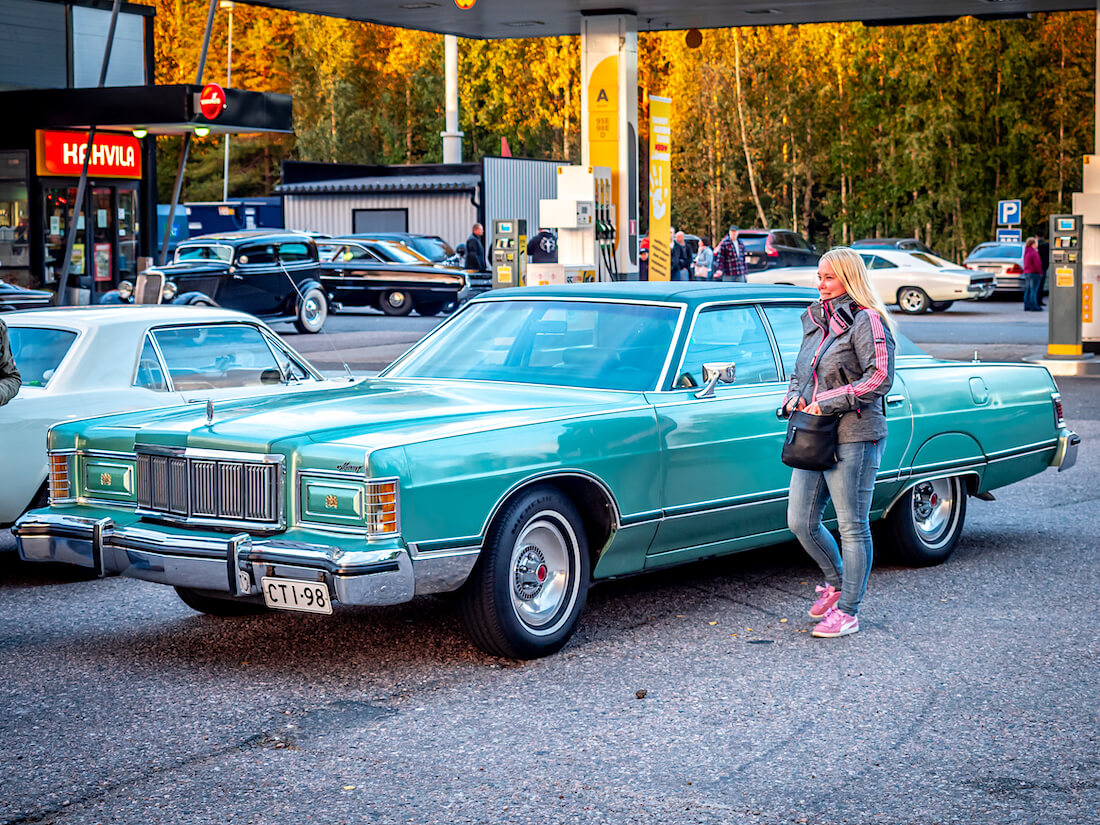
<point>59,478</point>
<point>381,507</point>
<point>1014,270</point>
<point>1059,418</point>
<point>770,250</point>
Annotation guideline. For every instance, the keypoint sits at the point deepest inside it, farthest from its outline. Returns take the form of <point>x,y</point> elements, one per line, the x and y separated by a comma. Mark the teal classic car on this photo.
<point>539,440</point>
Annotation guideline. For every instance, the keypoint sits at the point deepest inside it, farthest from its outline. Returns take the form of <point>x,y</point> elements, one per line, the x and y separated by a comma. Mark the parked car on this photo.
<point>432,247</point>
<point>274,275</point>
<point>904,244</point>
<point>354,274</point>
<point>1004,261</point>
<point>770,248</point>
<point>916,281</point>
<point>13,296</point>
<point>539,439</point>
<point>84,361</point>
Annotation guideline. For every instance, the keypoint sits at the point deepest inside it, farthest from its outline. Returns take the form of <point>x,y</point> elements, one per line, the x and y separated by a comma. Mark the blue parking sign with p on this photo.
<point>1008,213</point>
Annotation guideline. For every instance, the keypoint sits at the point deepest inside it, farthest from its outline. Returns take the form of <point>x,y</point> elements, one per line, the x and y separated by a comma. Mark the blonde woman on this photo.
<point>844,368</point>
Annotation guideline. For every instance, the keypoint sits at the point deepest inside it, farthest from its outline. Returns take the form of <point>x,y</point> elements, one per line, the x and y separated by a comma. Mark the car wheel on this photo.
<point>925,523</point>
<point>526,592</point>
<point>396,302</point>
<point>312,311</point>
<point>429,308</point>
<point>913,300</point>
<point>940,306</point>
<point>217,606</point>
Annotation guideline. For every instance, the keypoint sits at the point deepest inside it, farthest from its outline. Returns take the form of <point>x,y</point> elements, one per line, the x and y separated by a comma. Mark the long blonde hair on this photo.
<point>848,266</point>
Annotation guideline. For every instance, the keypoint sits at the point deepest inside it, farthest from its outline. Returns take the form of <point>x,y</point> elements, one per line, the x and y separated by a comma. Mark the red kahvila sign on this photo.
<point>212,101</point>
<point>114,155</point>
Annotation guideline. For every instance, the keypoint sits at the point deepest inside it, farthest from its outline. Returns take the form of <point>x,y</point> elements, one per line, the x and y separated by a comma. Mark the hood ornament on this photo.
<point>209,412</point>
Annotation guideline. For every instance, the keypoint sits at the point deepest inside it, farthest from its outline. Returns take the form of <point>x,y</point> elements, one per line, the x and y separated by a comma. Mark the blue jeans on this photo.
<point>850,483</point>
<point>1033,283</point>
<point>679,275</point>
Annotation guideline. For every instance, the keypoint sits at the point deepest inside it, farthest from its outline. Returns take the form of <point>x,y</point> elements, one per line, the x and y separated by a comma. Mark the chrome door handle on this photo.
<point>894,400</point>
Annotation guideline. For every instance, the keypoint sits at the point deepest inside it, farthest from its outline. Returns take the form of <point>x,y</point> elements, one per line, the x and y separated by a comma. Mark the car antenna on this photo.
<point>324,335</point>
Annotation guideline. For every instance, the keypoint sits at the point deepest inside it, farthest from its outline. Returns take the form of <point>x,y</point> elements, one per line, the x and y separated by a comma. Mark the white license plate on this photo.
<point>291,594</point>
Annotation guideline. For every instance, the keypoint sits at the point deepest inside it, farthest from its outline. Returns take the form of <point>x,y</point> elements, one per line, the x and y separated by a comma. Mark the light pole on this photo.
<point>228,6</point>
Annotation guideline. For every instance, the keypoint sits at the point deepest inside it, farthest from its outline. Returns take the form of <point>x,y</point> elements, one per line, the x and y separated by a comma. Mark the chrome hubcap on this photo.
<point>933,506</point>
<point>397,299</point>
<point>911,300</point>
<point>311,311</point>
<point>540,574</point>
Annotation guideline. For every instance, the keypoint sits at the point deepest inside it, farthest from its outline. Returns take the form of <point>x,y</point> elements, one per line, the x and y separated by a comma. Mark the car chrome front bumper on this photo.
<point>232,564</point>
<point>1066,454</point>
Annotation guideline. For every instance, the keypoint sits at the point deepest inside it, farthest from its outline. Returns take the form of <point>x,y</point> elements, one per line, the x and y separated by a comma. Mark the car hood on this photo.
<point>373,414</point>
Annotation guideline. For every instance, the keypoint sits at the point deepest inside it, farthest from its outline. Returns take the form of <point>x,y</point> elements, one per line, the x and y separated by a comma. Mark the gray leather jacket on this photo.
<point>10,380</point>
<point>854,373</point>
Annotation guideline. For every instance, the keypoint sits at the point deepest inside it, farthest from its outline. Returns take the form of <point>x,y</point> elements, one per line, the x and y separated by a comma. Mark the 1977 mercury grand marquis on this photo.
<point>540,439</point>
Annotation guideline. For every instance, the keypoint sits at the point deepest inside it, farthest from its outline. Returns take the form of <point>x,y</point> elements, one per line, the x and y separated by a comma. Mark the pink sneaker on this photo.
<point>827,597</point>
<point>837,623</point>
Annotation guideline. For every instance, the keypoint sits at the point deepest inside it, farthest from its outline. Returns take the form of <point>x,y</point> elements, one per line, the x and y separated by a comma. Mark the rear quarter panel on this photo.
<point>996,419</point>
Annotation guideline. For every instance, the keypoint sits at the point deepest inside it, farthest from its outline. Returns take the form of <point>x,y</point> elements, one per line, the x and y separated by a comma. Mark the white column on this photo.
<point>604,36</point>
<point>452,138</point>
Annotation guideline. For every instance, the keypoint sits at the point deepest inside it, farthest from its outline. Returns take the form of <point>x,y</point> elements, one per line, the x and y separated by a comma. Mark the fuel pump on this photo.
<point>509,253</point>
<point>584,217</point>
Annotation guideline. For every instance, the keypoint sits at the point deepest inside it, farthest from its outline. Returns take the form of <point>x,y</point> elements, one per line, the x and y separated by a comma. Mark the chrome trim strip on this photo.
<point>115,454</point>
<point>127,504</point>
<point>1034,447</point>
<point>204,453</point>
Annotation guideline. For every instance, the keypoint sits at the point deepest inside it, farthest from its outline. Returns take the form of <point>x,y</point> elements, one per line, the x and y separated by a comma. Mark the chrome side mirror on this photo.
<point>713,373</point>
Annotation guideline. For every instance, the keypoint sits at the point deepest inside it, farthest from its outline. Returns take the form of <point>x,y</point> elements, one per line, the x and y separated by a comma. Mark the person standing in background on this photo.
<point>681,258</point>
<point>475,250</point>
<point>730,259</point>
<point>10,379</point>
<point>643,260</point>
<point>704,260</point>
<point>1033,275</point>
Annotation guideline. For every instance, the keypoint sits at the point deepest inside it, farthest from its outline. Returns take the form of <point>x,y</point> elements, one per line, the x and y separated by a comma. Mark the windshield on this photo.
<point>38,352</point>
<point>204,252</point>
<point>998,250</point>
<point>433,249</point>
<point>397,253</point>
<point>599,345</point>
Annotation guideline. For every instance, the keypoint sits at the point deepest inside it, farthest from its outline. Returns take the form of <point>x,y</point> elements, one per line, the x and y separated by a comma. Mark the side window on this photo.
<point>222,355</point>
<point>877,262</point>
<point>257,254</point>
<point>727,334</point>
<point>295,252</point>
<point>150,376</point>
<point>786,324</point>
<point>359,253</point>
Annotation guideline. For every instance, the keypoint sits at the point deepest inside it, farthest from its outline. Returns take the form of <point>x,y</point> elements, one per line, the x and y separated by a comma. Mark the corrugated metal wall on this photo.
<point>513,189</point>
<point>447,214</point>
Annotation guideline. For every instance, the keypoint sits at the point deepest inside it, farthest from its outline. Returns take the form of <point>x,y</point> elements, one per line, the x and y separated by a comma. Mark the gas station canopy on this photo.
<point>495,19</point>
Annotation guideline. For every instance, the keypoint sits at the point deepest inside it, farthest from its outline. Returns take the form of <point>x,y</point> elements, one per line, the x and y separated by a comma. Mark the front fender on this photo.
<point>192,298</point>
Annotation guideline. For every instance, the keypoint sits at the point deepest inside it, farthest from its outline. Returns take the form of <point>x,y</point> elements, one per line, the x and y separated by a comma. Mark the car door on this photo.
<point>724,485</point>
<point>297,262</point>
<point>885,276</point>
<point>255,283</point>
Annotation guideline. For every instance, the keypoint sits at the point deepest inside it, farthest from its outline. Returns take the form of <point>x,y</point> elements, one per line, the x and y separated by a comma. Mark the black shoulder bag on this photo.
<point>811,439</point>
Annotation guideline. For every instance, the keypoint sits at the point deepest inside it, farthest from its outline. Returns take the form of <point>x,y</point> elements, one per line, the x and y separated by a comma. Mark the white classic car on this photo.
<point>916,281</point>
<point>86,361</point>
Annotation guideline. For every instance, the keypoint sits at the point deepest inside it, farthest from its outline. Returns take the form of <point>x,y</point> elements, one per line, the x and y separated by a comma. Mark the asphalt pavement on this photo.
<point>691,696</point>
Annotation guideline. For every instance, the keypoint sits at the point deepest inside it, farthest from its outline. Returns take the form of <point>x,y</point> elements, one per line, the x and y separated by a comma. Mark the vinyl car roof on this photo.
<point>139,315</point>
<point>242,235</point>
<point>675,292</point>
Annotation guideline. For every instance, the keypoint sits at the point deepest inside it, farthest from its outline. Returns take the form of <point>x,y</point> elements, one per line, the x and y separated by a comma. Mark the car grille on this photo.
<point>208,489</point>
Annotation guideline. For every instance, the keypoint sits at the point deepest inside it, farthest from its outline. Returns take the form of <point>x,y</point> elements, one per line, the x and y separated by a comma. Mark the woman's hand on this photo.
<point>814,409</point>
<point>797,403</point>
